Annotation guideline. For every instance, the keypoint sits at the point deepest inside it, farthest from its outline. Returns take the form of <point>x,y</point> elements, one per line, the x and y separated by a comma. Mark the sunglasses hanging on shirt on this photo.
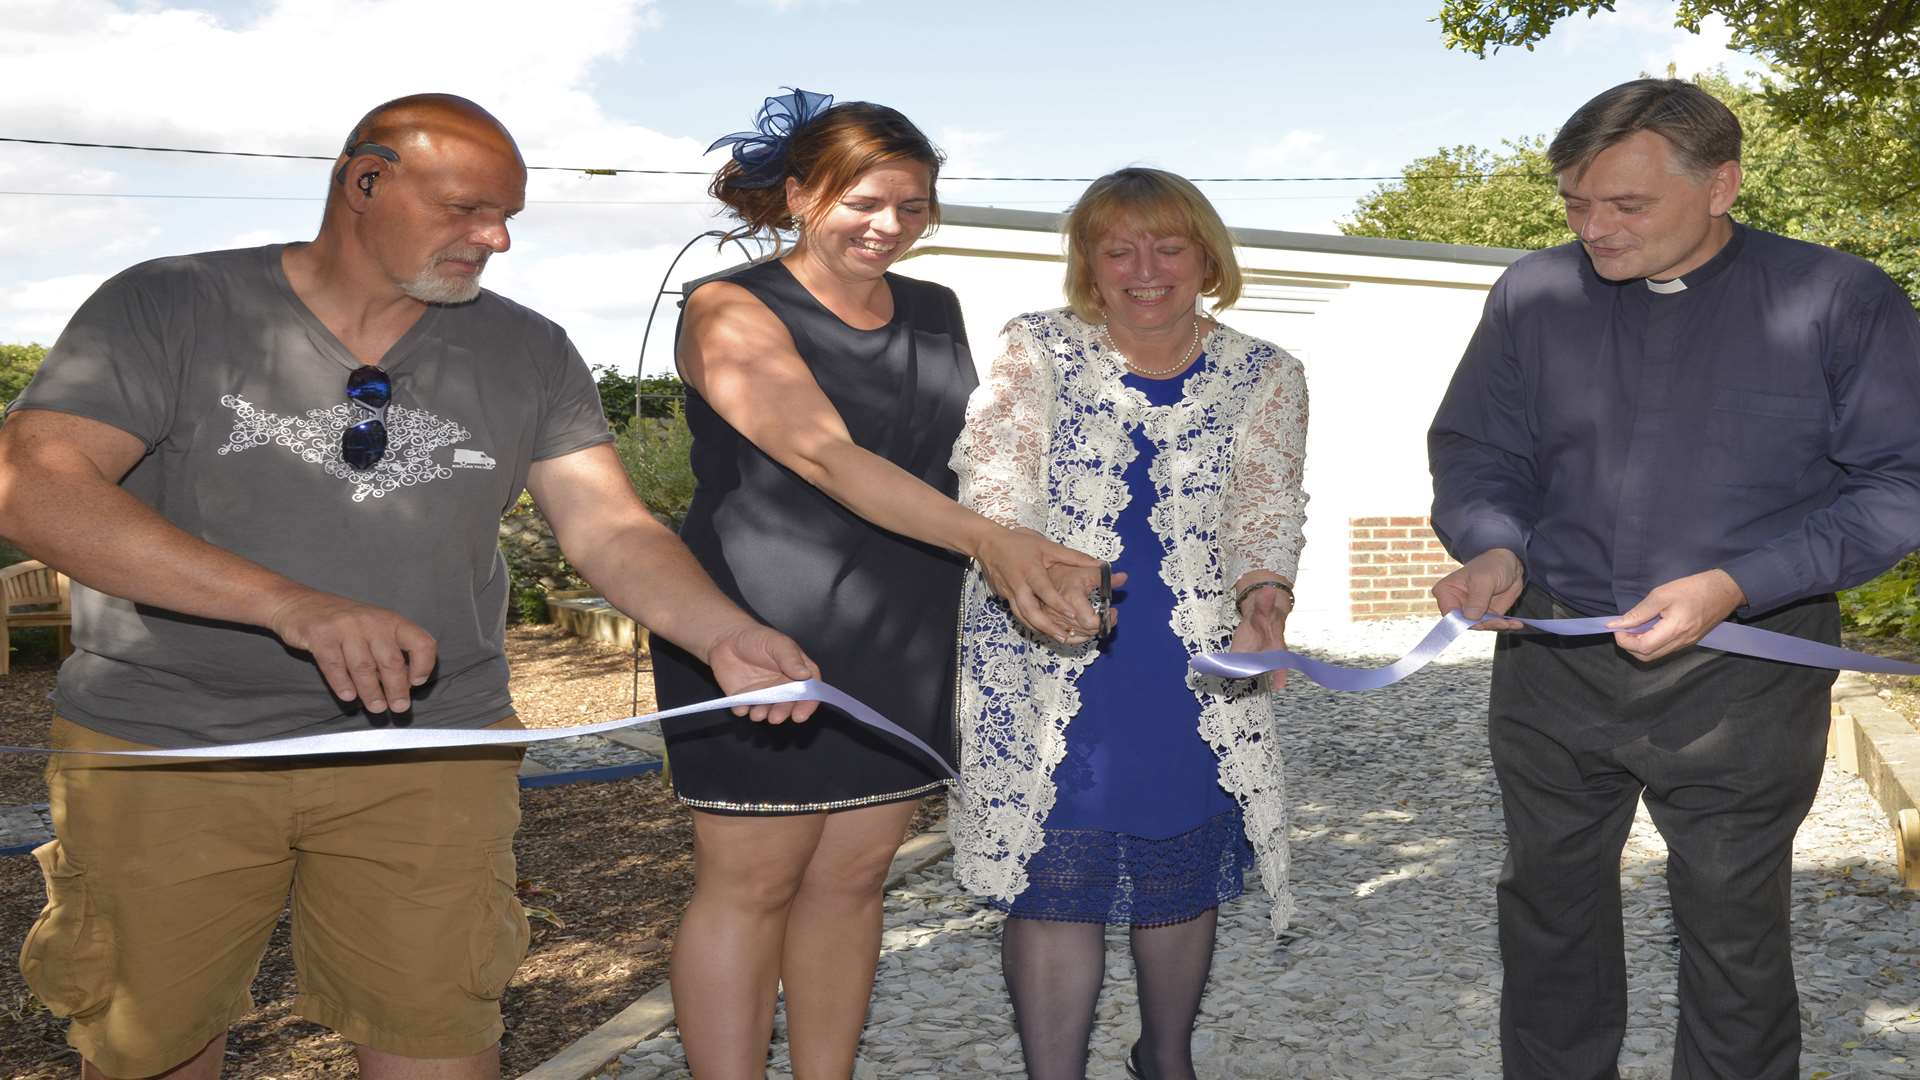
<point>364,442</point>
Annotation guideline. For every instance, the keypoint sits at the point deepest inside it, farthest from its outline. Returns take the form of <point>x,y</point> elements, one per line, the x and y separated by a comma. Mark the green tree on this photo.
<point>1835,51</point>
<point>1466,195</point>
<point>17,365</point>
<point>1846,79</point>
<point>1838,49</point>
<point>616,393</point>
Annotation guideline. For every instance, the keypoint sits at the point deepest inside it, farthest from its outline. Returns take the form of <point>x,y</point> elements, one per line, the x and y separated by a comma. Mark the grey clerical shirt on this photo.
<point>1763,418</point>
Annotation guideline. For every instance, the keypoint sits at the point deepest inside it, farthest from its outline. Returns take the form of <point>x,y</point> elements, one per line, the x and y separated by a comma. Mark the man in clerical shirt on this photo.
<point>276,476</point>
<point>1685,419</point>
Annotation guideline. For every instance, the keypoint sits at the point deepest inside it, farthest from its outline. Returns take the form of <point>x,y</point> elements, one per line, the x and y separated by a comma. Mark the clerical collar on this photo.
<point>1709,270</point>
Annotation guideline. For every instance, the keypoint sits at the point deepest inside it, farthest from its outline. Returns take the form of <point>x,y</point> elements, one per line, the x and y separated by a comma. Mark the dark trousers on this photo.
<point>1728,753</point>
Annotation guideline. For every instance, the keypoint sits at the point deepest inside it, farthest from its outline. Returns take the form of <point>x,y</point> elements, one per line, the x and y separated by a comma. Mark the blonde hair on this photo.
<point>1160,204</point>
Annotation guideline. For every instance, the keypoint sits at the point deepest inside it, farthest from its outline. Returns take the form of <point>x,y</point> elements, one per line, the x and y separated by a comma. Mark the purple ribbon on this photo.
<point>1726,637</point>
<point>383,740</point>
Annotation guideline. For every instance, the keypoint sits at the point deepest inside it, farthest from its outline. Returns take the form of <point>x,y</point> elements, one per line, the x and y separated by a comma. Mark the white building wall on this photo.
<point>1379,338</point>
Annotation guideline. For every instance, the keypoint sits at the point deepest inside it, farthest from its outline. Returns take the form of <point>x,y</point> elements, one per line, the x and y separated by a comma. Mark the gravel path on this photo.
<point>1391,969</point>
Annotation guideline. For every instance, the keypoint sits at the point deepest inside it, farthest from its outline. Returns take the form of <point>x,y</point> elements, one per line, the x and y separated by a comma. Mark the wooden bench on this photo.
<point>33,594</point>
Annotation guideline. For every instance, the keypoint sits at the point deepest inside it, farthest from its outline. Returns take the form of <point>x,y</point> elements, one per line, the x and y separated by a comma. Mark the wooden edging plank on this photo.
<point>1883,748</point>
<point>590,1054</point>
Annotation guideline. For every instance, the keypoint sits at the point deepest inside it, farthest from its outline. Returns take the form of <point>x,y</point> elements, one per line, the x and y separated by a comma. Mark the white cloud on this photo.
<point>1644,30</point>
<point>253,238</point>
<point>185,75</point>
<point>790,5</point>
<point>969,150</point>
<point>36,310</point>
<point>1692,54</point>
<point>292,77</point>
<point>604,298</point>
<point>1295,153</point>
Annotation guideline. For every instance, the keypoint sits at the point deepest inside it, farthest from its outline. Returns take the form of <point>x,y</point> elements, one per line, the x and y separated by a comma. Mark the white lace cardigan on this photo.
<point>1046,446</point>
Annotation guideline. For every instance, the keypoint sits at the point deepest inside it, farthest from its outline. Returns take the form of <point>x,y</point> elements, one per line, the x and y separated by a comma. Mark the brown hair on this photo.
<point>1160,203</point>
<point>828,155</point>
<point>1704,132</point>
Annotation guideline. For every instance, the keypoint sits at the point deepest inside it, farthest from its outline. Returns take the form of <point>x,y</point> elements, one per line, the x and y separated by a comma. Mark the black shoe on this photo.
<point>1133,1063</point>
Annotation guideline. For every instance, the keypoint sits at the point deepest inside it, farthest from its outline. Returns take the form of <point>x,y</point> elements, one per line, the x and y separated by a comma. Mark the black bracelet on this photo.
<point>1240,598</point>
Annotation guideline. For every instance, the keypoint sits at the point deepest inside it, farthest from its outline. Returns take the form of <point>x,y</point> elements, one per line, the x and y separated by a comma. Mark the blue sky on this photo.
<point>1208,87</point>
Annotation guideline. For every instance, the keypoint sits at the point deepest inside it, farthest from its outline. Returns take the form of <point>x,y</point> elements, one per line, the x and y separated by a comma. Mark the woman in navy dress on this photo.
<point>824,394</point>
<point>1104,783</point>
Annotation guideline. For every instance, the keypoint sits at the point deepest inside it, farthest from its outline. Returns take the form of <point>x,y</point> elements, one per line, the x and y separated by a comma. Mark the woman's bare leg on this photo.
<point>834,938</point>
<point>727,953</point>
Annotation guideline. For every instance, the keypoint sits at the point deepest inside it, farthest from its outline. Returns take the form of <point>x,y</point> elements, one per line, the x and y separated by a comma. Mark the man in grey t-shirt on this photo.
<point>276,476</point>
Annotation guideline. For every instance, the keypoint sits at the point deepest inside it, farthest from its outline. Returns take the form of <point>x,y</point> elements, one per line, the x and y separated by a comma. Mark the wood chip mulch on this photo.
<point>605,869</point>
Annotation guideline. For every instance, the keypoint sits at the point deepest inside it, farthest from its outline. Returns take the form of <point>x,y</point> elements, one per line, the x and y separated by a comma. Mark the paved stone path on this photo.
<point>1391,969</point>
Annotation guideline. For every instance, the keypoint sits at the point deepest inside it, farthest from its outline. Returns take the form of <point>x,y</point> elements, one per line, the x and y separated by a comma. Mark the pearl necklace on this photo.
<point>1193,348</point>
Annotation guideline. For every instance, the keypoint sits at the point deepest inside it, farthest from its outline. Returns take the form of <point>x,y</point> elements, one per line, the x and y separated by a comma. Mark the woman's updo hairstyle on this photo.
<point>827,154</point>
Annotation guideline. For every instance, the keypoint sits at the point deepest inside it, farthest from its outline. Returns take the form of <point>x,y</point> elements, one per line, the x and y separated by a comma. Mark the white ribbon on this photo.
<point>387,739</point>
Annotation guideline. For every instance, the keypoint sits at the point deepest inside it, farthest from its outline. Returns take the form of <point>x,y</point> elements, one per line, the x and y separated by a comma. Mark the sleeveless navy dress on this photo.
<point>878,612</point>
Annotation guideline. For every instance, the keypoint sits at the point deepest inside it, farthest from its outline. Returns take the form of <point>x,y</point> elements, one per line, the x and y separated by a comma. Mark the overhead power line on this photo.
<point>564,202</point>
<point>596,171</point>
<point>317,198</point>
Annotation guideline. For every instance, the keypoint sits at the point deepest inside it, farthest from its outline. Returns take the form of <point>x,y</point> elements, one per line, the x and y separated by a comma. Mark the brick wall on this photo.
<point>1392,563</point>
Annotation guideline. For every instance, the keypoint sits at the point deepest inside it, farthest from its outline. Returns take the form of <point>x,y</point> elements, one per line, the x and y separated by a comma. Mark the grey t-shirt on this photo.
<point>238,392</point>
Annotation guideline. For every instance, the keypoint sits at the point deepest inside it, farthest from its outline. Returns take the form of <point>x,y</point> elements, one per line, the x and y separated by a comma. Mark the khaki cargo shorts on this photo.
<point>166,880</point>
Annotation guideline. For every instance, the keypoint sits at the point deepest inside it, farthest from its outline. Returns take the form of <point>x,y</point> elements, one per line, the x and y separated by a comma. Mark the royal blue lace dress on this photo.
<point>1141,832</point>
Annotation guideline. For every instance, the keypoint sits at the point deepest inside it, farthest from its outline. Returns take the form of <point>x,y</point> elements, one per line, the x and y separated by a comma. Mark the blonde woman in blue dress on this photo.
<point>1105,784</point>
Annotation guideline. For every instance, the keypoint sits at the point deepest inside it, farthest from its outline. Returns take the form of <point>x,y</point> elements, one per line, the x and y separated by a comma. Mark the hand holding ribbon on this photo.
<point>1488,585</point>
<point>754,656</point>
<point>1687,609</point>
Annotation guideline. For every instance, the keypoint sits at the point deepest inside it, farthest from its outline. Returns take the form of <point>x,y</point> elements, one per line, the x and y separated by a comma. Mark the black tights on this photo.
<point>1054,971</point>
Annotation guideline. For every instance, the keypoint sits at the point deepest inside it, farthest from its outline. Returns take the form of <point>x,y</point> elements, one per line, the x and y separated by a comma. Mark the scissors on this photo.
<point>1102,599</point>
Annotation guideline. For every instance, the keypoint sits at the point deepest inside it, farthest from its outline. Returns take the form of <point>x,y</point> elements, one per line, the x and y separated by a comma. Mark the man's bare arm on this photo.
<point>61,501</point>
<point>611,538</point>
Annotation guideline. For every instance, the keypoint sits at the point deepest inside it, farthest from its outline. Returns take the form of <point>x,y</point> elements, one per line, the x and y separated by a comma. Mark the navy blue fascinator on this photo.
<point>762,153</point>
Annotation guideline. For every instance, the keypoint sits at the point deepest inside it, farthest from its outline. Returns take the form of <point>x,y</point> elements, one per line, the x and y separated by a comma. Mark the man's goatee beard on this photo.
<point>429,287</point>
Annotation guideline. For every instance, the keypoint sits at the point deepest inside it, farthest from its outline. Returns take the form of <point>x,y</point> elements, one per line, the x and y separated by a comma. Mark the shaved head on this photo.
<point>427,123</point>
<point>424,189</point>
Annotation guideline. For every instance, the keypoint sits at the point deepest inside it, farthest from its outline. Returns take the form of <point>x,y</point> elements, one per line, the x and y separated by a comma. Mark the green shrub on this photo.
<point>655,395</point>
<point>1887,606</point>
<point>661,396</point>
<point>657,454</point>
<point>17,365</point>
